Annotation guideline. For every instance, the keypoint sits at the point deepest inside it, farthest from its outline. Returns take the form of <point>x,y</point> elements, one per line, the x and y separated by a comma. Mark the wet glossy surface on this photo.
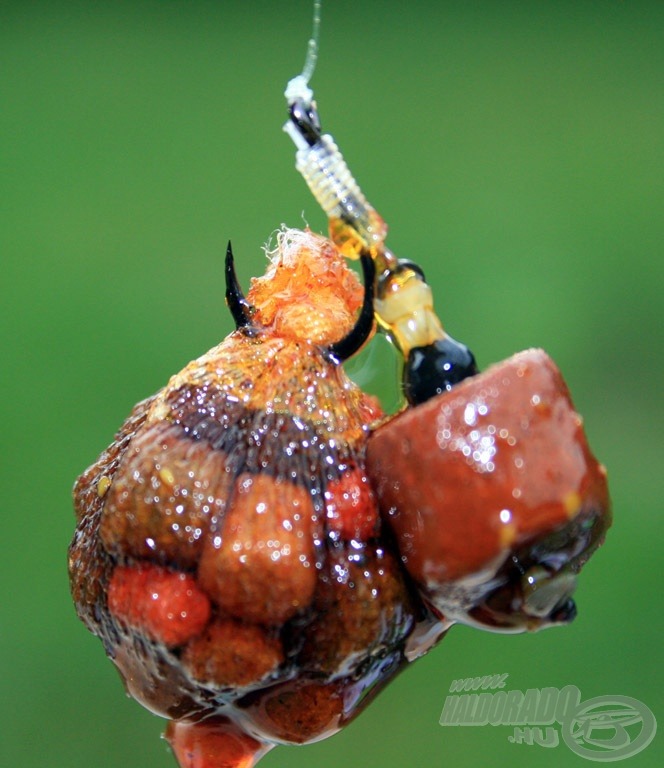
<point>243,584</point>
<point>243,562</point>
<point>487,470</point>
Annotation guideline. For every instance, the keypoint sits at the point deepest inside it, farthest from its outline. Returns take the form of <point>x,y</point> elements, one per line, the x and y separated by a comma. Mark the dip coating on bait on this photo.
<point>261,549</point>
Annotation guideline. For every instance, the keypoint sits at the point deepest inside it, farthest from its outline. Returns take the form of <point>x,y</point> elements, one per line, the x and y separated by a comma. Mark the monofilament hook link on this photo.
<point>298,87</point>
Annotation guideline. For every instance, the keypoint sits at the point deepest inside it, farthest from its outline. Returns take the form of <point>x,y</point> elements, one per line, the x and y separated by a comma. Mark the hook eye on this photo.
<point>305,118</point>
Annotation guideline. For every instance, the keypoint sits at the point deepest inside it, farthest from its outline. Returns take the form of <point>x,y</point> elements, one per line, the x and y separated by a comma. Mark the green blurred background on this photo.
<point>515,150</point>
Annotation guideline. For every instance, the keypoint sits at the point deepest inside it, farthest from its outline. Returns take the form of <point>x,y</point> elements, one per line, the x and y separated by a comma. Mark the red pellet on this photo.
<point>351,506</point>
<point>164,605</point>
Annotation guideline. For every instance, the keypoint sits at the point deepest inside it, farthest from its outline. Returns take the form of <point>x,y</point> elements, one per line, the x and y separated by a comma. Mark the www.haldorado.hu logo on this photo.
<point>604,728</point>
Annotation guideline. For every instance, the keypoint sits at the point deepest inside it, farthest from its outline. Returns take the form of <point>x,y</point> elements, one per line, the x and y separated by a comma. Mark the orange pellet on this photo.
<point>231,653</point>
<point>218,744</point>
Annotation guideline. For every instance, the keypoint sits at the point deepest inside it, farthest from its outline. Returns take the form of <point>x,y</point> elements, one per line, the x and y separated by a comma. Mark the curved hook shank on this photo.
<point>361,331</point>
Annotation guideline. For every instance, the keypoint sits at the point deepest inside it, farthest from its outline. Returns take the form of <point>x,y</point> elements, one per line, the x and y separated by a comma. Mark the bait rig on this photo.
<point>261,549</point>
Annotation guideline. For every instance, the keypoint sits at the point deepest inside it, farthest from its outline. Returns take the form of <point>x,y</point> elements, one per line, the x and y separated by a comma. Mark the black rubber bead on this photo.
<point>436,368</point>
